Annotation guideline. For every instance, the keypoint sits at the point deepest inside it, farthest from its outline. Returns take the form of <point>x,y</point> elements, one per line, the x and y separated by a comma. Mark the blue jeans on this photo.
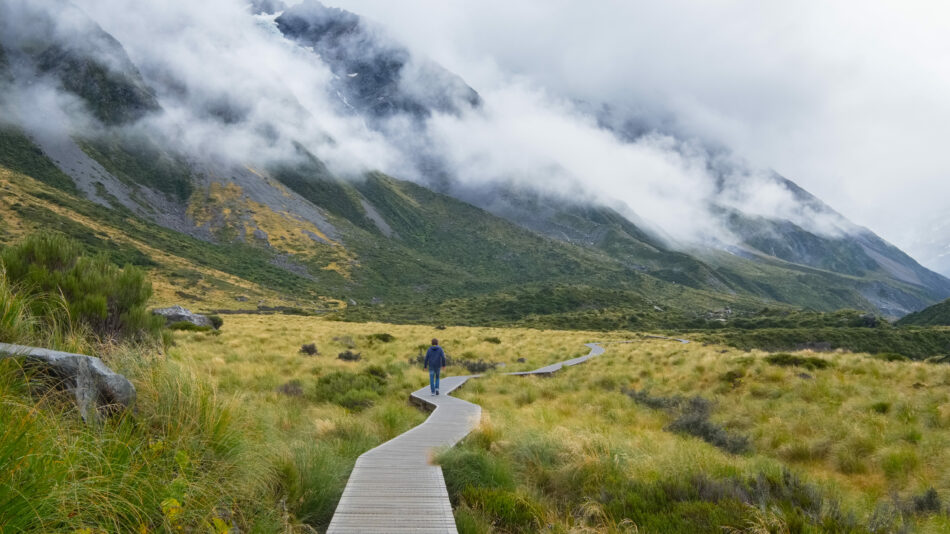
<point>434,378</point>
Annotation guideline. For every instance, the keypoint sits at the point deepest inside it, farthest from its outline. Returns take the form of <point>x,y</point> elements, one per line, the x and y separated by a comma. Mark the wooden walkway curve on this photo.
<point>394,488</point>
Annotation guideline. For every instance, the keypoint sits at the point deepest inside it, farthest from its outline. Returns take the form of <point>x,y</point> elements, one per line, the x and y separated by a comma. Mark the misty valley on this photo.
<point>280,266</point>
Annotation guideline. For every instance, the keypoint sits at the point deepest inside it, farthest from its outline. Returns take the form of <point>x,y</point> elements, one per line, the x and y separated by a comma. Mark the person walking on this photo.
<point>435,361</point>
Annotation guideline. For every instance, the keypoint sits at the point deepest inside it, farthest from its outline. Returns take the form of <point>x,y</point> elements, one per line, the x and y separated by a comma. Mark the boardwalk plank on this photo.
<point>394,489</point>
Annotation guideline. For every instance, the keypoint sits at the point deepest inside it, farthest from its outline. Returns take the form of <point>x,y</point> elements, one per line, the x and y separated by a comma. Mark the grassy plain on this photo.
<point>858,446</point>
<point>241,428</point>
<point>315,414</point>
<point>852,447</point>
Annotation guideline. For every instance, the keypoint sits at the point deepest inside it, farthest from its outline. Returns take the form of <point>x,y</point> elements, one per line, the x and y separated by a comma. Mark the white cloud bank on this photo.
<point>849,99</point>
<point>791,87</point>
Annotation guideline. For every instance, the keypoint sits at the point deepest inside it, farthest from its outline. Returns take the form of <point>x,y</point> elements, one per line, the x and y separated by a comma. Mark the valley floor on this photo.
<point>654,436</point>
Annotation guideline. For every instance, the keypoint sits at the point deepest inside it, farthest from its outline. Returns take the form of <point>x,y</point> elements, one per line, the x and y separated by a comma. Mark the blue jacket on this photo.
<point>435,358</point>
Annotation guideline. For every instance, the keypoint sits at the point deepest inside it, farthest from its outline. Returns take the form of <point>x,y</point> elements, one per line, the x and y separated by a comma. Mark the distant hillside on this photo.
<point>936,315</point>
<point>288,231</point>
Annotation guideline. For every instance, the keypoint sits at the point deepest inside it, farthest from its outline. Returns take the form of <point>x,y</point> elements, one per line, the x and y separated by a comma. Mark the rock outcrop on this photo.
<point>94,384</point>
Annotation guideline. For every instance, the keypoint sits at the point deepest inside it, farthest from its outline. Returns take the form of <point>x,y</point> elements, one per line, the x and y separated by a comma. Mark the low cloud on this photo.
<point>232,88</point>
<point>848,99</point>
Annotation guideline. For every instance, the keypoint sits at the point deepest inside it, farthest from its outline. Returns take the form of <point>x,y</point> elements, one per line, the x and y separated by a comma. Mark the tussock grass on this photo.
<point>316,414</point>
<point>854,447</point>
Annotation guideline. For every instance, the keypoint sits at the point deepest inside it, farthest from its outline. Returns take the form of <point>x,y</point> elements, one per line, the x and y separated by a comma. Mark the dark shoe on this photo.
<point>436,392</point>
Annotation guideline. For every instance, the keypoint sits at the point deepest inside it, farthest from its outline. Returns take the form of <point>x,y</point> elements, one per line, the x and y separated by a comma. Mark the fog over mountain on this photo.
<point>230,86</point>
<point>567,131</point>
<point>846,98</point>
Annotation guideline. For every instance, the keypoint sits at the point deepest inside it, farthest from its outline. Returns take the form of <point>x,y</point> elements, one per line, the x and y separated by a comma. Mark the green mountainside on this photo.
<point>936,315</point>
<point>405,253</point>
<point>293,234</point>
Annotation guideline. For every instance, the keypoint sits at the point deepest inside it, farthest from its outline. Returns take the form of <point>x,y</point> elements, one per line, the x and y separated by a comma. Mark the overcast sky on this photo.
<point>850,99</point>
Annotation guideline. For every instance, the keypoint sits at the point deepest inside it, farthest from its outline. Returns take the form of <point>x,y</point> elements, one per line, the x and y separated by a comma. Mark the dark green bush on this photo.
<point>783,359</point>
<point>376,371</point>
<point>186,326</point>
<point>355,391</point>
<point>350,356</point>
<point>477,366</point>
<point>493,339</point>
<point>927,502</point>
<point>216,321</point>
<point>384,337</point>
<point>109,300</point>
<point>733,377</point>
<point>310,349</point>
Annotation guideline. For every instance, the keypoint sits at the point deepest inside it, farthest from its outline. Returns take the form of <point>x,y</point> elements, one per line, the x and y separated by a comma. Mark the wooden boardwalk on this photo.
<point>394,488</point>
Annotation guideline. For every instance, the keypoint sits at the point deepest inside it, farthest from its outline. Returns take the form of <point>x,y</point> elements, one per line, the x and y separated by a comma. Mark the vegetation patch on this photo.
<point>383,337</point>
<point>477,366</point>
<point>791,360</point>
<point>350,356</point>
<point>913,342</point>
<point>216,321</point>
<point>354,391</point>
<point>89,292</point>
<point>692,418</point>
<point>310,349</point>
<point>187,326</point>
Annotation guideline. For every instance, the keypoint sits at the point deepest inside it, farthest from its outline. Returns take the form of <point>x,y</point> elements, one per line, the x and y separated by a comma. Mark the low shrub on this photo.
<point>694,421</point>
<point>108,300</point>
<point>783,359</point>
<point>494,340</point>
<point>216,321</point>
<point>291,389</point>
<point>385,338</point>
<point>355,391</point>
<point>881,407</point>
<point>927,502</point>
<point>478,366</point>
<point>376,371</point>
<point>310,349</point>
<point>733,377</point>
<point>692,418</point>
<point>186,326</point>
<point>350,356</point>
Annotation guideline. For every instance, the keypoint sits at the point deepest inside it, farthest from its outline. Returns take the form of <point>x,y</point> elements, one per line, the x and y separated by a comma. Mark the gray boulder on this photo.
<point>177,314</point>
<point>93,383</point>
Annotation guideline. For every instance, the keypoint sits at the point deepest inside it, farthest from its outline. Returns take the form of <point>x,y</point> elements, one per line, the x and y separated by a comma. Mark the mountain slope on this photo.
<point>294,230</point>
<point>936,315</point>
<point>374,76</point>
